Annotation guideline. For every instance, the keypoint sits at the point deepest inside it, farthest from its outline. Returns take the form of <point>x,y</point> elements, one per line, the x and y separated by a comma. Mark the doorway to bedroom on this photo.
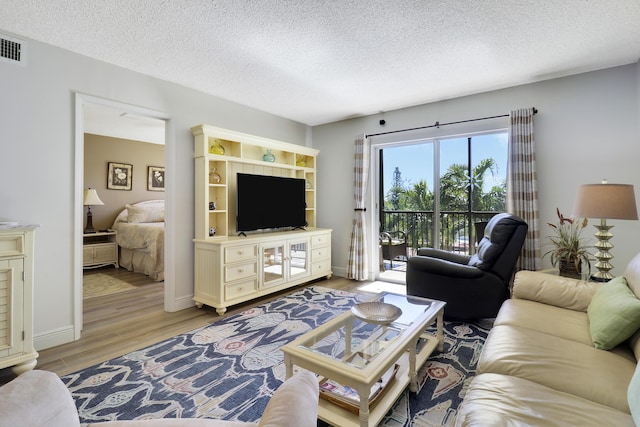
<point>123,237</point>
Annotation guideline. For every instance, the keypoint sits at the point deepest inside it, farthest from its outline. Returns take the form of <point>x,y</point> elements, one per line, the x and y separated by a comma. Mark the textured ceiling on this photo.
<point>321,61</point>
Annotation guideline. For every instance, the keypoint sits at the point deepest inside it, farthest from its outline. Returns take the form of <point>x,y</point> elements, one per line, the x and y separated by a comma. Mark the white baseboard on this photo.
<point>54,338</point>
<point>340,272</point>
<point>181,303</point>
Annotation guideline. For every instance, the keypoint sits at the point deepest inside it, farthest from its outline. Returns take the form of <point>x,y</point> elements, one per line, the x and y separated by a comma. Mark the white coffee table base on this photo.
<point>406,376</point>
<point>336,416</point>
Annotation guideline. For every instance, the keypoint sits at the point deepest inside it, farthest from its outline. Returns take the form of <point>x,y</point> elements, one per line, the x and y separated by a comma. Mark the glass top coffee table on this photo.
<point>368,359</point>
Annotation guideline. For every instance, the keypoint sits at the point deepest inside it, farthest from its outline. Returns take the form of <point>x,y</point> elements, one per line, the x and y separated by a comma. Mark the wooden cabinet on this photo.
<point>99,249</point>
<point>237,269</point>
<point>284,260</point>
<point>230,269</point>
<point>320,253</point>
<point>16,299</point>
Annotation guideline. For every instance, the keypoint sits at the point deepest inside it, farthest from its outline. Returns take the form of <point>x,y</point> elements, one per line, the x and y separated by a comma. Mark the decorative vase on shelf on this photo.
<point>214,177</point>
<point>216,148</point>
<point>268,156</point>
<point>301,160</point>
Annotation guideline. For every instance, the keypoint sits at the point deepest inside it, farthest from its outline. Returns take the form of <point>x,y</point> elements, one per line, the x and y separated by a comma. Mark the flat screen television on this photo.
<point>269,202</point>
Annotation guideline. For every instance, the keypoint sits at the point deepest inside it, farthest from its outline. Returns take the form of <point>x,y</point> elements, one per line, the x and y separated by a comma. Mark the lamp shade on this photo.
<point>91,198</point>
<point>605,201</point>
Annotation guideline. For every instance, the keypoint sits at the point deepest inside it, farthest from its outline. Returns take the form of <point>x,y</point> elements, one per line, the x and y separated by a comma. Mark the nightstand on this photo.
<point>99,249</point>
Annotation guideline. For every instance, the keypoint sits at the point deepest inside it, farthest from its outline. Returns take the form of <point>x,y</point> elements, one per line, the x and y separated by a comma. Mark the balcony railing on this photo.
<point>457,229</point>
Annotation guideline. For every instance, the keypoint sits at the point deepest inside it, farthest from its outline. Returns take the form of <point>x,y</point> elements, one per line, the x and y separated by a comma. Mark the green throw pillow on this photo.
<point>614,314</point>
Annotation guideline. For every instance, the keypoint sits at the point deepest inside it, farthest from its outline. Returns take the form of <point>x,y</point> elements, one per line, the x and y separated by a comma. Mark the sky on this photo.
<point>416,161</point>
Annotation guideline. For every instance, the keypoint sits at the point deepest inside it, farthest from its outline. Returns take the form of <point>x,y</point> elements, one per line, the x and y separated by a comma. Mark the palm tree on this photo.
<point>420,226</point>
<point>419,198</point>
<point>479,199</point>
<point>456,187</point>
<point>455,183</point>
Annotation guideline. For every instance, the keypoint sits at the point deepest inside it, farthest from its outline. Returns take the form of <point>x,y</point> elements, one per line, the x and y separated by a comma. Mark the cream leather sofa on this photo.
<point>540,367</point>
<point>40,399</point>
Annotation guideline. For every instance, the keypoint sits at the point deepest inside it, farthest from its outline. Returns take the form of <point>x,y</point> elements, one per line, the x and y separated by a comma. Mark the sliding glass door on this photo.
<point>440,192</point>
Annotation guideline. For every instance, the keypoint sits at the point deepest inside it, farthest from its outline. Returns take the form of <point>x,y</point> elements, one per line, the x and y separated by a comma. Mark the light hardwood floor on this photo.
<point>120,323</point>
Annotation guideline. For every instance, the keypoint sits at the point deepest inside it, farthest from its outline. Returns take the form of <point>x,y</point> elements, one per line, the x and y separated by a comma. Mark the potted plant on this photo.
<point>569,248</point>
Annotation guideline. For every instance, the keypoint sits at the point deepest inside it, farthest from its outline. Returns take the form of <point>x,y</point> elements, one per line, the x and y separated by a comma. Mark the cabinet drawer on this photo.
<point>100,253</point>
<point>320,254</point>
<point>105,253</point>
<point>87,255</point>
<point>11,245</point>
<point>320,240</point>
<point>240,271</point>
<point>321,267</point>
<point>239,289</point>
<point>240,253</point>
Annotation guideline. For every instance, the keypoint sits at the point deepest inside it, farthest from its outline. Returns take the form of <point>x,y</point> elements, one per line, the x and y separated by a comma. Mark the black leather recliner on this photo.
<point>473,286</point>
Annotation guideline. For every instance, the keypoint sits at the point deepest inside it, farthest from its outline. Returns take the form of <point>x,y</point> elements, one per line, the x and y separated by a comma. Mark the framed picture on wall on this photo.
<point>155,179</point>
<point>119,176</point>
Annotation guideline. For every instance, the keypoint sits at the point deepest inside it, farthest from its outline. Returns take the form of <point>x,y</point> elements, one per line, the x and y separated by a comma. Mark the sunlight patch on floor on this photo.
<point>380,286</point>
<point>393,276</point>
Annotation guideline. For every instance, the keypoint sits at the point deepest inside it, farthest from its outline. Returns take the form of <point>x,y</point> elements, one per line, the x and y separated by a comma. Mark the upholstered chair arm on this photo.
<point>445,255</point>
<point>385,238</point>
<point>389,237</point>
<point>554,290</point>
<point>443,267</point>
<point>37,398</point>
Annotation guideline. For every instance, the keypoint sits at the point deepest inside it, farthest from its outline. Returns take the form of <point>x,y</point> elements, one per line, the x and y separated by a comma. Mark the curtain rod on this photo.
<point>438,124</point>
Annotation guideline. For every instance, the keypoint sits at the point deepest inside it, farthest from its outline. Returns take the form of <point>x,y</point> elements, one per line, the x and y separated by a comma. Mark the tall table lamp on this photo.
<point>604,201</point>
<point>91,199</point>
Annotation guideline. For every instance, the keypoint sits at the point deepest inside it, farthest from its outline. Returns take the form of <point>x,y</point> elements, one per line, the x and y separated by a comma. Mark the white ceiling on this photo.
<point>319,61</point>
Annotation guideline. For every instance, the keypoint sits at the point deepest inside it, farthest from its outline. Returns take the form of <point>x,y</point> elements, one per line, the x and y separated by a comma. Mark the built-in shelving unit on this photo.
<point>242,153</point>
<point>228,268</point>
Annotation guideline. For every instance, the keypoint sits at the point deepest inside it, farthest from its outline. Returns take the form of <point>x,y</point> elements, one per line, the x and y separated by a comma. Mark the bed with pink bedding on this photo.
<point>140,228</point>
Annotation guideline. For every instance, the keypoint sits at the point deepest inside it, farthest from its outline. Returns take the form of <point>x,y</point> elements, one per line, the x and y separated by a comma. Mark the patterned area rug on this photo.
<point>99,284</point>
<point>443,380</point>
<point>229,370</point>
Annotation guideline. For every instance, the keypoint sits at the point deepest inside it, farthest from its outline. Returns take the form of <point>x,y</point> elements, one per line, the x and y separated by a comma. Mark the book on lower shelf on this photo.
<point>348,398</point>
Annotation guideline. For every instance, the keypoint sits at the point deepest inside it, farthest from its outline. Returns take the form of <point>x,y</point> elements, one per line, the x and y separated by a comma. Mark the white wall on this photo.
<point>587,128</point>
<point>37,165</point>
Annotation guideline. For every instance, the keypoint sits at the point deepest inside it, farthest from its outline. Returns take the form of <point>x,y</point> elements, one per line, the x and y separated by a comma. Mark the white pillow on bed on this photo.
<point>145,214</point>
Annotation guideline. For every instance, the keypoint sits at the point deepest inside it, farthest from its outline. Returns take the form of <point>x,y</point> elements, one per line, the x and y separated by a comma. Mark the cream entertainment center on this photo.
<point>277,244</point>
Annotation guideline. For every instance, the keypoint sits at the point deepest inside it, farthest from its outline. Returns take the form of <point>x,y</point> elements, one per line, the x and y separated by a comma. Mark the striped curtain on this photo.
<point>357,267</point>
<point>522,186</point>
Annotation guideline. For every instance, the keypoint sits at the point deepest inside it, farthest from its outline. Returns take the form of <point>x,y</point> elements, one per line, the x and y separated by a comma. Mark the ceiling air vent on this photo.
<point>12,50</point>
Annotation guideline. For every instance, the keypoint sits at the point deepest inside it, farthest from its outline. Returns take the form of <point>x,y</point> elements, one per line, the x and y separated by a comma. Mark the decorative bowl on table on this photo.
<point>376,312</point>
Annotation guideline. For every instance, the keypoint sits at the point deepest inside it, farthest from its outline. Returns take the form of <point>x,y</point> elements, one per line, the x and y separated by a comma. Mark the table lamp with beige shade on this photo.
<point>604,201</point>
<point>91,199</point>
